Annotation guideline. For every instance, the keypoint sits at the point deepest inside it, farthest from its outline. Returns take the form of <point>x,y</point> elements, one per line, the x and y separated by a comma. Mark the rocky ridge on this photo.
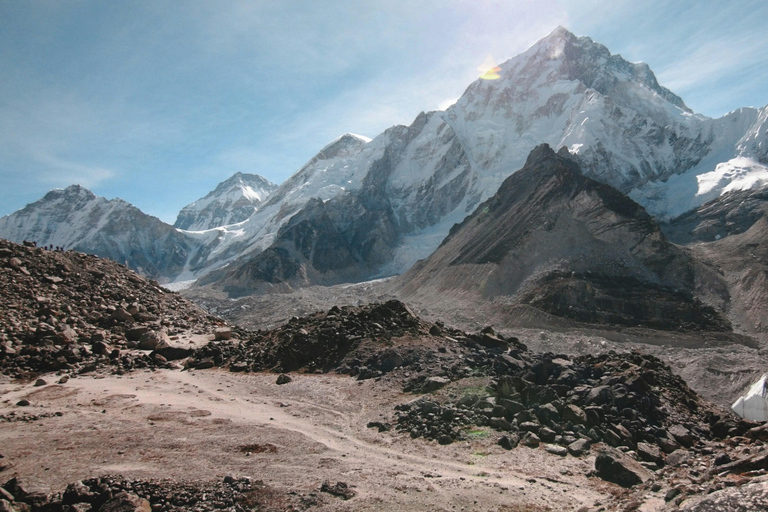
<point>364,208</point>
<point>70,312</point>
<point>570,246</point>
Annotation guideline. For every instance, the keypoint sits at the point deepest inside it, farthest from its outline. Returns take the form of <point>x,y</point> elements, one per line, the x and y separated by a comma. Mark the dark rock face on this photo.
<point>67,311</point>
<point>353,235</point>
<point>730,214</point>
<point>570,246</point>
<point>730,234</point>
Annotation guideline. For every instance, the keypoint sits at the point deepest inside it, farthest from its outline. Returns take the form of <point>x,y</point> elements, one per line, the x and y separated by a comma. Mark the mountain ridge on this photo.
<point>622,127</point>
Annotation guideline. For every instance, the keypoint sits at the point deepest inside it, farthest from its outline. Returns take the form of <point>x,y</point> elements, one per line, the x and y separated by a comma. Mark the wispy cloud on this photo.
<point>60,173</point>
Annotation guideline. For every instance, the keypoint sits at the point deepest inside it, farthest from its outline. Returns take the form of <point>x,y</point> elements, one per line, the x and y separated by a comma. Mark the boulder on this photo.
<point>171,353</point>
<point>283,379</point>
<point>556,450</point>
<point>152,340</point>
<point>614,466</point>
<point>122,316</point>
<point>578,447</point>
<point>126,502</point>
<point>649,453</point>
<point>135,333</point>
<point>434,383</point>
<point>574,414</point>
<point>222,333</point>
<point>508,442</point>
<point>530,440</point>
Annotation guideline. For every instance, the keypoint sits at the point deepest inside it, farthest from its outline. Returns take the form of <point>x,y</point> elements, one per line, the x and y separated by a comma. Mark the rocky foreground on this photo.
<point>71,312</point>
<point>651,443</point>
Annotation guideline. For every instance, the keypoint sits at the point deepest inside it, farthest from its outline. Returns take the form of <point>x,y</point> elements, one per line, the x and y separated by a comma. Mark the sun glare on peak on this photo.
<point>489,70</point>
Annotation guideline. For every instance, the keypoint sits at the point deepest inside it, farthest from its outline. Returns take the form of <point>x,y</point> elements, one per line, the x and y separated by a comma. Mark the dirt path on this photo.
<point>208,424</point>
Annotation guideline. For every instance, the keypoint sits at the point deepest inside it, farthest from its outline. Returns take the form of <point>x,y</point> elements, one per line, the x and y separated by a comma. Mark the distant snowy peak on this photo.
<point>333,170</point>
<point>233,200</point>
<point>570,91</point>
<point>75,218</point>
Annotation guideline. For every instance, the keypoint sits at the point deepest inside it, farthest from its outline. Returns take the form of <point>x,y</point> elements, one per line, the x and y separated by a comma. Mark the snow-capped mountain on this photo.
<point>232,201</point>
<point>624,129</point>
<point>74,218</point>
<point>364,208</point>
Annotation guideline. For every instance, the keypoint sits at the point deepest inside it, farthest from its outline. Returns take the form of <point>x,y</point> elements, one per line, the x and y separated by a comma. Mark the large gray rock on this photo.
<point>153,340</point>
<point>126,502</point>
<point>614,466</point>
<point>434,383</point>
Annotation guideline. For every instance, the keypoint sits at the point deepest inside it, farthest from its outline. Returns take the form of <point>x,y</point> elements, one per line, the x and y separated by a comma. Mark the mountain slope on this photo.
<point>390,201</point>
<point>622,127</point>
<point>232,201</point>
<point>568,245</point>
<point>74,218</point>
<point>730,233</point>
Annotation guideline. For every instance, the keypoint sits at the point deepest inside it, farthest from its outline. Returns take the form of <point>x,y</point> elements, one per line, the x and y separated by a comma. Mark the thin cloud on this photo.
<point>61,173</point>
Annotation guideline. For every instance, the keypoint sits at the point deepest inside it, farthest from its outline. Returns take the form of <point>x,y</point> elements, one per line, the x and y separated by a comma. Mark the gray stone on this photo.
<point>678,457</point>
<point>574,414</point>
<point>682,435</point>
<point>126,502</point>
<point>578,447</point>
<point>650,453</point>
<point>434,383</point>
<point>283,379</point>
<point>222,333</point>
<point>122,316</point>
<point>389,360</point>
<point>153,340</point>
<point>556,450</point>
<point>506,386</point>
<point>614,466</point>
<point>508,442</point>
<point>530,440</point>
<point>499,423</point>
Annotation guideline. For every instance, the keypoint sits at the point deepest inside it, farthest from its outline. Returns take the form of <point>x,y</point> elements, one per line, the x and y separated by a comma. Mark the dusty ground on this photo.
<point>208,424</point>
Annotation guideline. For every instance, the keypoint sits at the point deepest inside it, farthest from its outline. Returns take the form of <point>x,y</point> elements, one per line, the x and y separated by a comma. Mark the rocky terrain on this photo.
<point>68,312</point>
<point>503,427</point>
<point>569,246</point>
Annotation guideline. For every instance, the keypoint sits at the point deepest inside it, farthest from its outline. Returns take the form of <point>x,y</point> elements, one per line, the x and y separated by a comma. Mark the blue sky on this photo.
<point>157,101</point>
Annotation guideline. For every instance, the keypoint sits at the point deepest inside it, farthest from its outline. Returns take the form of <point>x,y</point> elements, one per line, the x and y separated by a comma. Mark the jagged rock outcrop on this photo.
<point>564,243</point>
<point>232,201</point>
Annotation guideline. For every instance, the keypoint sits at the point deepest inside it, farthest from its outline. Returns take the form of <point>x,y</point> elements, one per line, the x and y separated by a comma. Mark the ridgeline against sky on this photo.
<point>153,103</point>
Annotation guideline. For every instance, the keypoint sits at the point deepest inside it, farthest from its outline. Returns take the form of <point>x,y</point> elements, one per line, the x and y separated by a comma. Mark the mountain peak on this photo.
<point>232,201</point>
<point>72,192</point>
<point>560,34</point>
